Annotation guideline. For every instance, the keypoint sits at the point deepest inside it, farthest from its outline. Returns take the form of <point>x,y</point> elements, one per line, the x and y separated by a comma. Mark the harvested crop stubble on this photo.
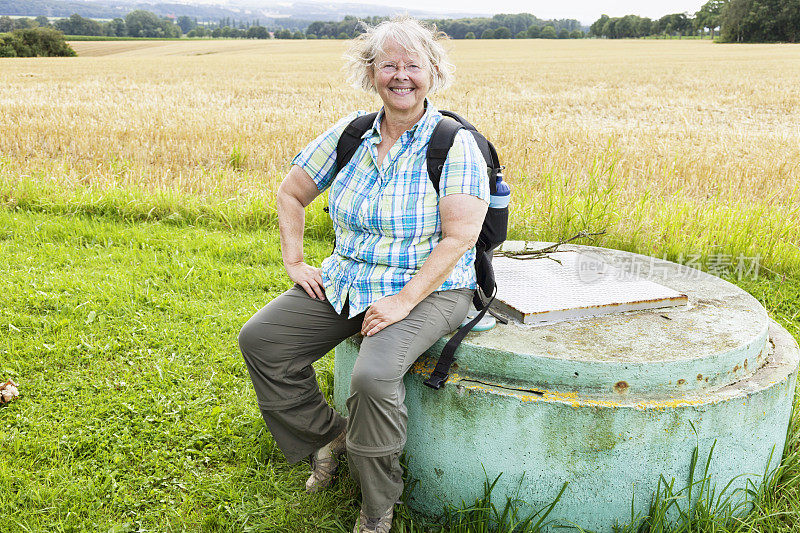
<point>673,147</point>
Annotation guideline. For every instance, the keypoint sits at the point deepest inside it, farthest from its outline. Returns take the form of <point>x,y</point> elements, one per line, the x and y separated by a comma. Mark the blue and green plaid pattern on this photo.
<point>386,217</point>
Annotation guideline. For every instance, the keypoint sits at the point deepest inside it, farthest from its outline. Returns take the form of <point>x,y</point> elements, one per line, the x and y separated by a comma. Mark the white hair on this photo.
<point>414,36</point>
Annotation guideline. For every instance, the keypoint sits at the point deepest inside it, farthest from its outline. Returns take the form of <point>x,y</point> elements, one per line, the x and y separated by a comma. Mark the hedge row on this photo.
<point>35,42</point>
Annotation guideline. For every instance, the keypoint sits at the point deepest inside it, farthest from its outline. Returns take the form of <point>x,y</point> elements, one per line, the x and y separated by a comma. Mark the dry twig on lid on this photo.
<point>543,253</point>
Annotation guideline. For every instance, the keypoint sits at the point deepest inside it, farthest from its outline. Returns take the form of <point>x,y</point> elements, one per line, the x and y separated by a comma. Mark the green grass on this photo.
<point>136,406</point>
<point>672,228</point>
<point>137,413</point>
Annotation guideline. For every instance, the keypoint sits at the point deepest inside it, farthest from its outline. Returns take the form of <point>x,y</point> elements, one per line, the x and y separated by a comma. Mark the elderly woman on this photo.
<point>401,273</point>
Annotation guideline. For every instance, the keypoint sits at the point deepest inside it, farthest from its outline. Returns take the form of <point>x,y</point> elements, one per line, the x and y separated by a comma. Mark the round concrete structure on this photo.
<point>607,404</point>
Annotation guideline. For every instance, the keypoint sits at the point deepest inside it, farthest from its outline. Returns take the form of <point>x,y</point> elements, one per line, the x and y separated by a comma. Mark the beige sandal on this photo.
<point>324,463</point>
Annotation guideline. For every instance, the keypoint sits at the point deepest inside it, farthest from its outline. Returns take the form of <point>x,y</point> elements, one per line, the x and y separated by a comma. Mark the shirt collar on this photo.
<point>422,124</point>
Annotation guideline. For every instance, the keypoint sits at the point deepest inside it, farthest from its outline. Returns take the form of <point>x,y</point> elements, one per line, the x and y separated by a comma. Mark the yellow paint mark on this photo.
<point>548,396</point>
<point>572,398</point>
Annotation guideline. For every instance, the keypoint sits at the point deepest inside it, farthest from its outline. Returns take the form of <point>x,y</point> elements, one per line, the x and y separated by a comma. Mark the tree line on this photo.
<point>760,21</point>
<point>138,23</point>
<point>737,20</point>
<point>520,26</point>
<point>141,23</point>
<point>633,26</point>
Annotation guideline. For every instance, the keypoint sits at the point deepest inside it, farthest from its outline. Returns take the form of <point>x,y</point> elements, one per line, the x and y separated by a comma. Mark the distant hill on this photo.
<point>58,8</point>
<point>240,11</point>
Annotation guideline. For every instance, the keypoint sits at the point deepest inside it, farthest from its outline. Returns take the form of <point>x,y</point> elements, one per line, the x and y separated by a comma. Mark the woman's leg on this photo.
<point>279,343</point>
<point>376,431</point>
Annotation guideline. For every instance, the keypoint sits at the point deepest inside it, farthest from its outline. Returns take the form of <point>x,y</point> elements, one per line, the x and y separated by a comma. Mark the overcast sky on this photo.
<point>587,11</point>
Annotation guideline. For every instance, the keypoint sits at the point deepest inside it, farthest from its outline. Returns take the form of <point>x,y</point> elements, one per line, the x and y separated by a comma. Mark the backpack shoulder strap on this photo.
<point>351,139</point>
<point>437,153</point>
<point>441,141</point>
<point>439,375</point>
<point>487,149</point>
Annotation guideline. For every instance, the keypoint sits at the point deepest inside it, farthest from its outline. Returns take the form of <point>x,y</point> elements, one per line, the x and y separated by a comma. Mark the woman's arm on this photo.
<point>462,218</point>
<point>296,191</point>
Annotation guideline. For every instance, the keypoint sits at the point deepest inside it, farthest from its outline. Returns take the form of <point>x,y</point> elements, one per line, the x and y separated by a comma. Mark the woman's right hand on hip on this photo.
<point>308,277</point>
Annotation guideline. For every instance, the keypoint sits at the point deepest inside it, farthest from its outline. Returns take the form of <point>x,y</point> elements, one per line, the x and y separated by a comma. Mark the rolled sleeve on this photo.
<point>464,170</point>
<point>318,158</point>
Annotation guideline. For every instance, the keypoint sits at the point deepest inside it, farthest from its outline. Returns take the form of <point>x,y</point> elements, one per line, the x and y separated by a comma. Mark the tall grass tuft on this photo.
<point>482,516</point>
<point>237,157</point>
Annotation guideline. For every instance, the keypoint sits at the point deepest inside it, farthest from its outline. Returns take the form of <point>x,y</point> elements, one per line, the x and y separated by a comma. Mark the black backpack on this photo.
<point>495,225</point>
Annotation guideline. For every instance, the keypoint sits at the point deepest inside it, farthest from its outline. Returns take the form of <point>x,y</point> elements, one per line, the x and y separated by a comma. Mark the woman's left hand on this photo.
<point>384,312</point>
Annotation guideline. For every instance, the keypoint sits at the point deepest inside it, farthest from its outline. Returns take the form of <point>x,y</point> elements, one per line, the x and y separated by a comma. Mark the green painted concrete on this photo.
<point>607,404</point>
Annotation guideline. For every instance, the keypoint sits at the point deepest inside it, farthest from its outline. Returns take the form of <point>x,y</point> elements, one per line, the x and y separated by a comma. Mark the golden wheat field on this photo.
<point>673,147</point>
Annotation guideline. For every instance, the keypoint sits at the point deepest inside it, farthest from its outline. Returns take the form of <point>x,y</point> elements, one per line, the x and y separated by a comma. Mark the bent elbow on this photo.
<point>465,241</point>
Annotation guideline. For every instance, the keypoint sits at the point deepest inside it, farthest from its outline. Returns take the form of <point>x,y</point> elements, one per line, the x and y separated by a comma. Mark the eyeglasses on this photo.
<point>390,67</point>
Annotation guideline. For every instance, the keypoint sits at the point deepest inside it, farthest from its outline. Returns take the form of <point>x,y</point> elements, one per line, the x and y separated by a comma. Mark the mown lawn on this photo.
<point>137,413</point>
<point>136,407</point>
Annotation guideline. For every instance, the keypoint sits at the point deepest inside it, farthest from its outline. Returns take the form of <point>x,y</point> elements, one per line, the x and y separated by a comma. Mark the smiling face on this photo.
<point>402,79</point>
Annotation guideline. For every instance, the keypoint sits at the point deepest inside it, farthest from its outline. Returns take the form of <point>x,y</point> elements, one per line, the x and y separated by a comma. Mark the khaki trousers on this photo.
<point>280,342</point>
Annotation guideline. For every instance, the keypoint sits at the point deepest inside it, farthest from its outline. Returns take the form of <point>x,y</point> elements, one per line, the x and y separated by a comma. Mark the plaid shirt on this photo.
<point>386,217</point>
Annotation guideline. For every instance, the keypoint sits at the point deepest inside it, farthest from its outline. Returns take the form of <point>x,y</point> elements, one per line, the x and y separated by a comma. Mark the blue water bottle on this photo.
<point>500,198</point>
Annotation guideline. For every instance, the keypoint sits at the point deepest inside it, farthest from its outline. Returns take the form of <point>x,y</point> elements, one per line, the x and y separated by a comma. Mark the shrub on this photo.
<point>502,33</point>
<point>257,32</point>
<point>33,42</point>
<point>548,32</point>
<point>77,25</point>
<point>140,23</point>
<point>6,49</point>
